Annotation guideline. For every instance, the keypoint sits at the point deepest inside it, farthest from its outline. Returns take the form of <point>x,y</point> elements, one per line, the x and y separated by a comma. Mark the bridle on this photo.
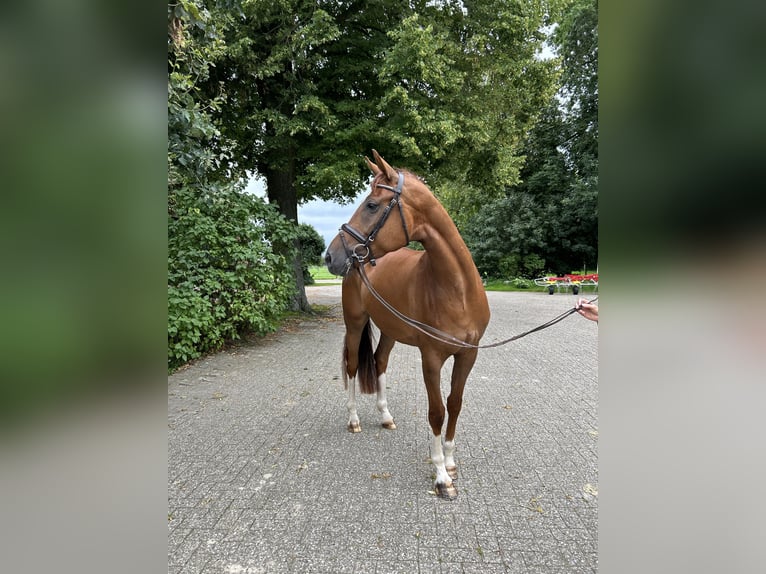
<point>359,255</point>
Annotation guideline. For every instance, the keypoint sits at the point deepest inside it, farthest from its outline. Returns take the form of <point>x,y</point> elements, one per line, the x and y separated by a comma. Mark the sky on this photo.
<point>324,216</point>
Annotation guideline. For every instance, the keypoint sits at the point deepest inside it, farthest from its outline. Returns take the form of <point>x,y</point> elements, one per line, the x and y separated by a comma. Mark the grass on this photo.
<point>500,285</point>
<point>320,272</point>
<point>508,285</point>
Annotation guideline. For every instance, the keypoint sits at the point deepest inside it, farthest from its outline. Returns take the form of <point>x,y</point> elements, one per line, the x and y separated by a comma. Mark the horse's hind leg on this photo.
<point>381,362</point>
<point>353,418</point>
<point>349,369</point>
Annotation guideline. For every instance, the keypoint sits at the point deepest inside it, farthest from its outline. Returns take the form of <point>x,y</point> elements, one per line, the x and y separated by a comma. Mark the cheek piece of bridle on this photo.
<point>361,250</point>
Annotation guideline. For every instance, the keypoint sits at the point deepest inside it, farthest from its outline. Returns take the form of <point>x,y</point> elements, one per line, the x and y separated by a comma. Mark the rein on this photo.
<point>444,337</point>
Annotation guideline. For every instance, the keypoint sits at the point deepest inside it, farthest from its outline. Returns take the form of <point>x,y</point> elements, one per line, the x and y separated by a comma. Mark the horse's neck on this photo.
<point>450,259</point>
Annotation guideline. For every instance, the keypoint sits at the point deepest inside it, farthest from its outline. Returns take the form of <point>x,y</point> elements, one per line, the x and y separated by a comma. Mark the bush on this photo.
<point>533,265</point>
<point>513,265</point>
<point>521,283</point>
<point>312,250</point>
<point>224,274</point>
<point>509,266</point>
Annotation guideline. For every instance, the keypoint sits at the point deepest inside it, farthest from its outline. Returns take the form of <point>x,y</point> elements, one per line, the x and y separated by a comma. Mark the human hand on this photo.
<point>587,310</point>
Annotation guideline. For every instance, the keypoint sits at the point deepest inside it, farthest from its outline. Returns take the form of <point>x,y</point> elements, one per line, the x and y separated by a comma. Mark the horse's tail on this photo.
<point>366,372</point>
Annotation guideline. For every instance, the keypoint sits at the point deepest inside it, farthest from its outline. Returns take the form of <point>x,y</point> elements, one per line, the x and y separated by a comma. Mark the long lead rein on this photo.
<point>439,335</point>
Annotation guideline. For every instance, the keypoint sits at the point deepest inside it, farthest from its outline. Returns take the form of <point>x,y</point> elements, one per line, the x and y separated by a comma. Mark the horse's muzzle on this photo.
<point>336,259</point>
<point>332,267</point>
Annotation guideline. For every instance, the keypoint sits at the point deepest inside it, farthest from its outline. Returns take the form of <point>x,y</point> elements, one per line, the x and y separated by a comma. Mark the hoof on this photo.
<point>446,492</point>
<point>354,427</point>
<point>452,472</point>
<point>390,425</point>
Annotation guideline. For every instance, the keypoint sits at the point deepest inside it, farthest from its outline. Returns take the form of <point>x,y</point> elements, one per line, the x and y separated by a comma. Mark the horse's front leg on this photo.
<point>381,363</point>
<point>449,459</point>
<point>443,485</point>
<point>462,367</point>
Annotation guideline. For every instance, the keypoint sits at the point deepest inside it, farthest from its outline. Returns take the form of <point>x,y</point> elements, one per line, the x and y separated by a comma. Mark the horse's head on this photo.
<point>379,224</point>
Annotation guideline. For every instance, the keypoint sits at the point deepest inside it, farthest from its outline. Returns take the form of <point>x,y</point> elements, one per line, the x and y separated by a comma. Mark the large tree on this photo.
<point>446,88</point>
<point>577,42</point>
<point>301,88</point>
<point>224,276</point>
<point>551,214</point>
<point>463,87</point>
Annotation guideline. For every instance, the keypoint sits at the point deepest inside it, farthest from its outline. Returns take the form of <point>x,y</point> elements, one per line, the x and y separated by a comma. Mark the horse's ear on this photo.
<point>373,168</point>
<point>389,171</point>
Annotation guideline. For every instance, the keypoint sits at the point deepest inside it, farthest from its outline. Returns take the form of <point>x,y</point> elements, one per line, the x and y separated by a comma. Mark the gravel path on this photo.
<point>264,478</point>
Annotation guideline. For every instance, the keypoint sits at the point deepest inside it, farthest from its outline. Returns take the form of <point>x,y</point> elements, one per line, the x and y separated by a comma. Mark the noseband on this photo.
<point>363,242</point>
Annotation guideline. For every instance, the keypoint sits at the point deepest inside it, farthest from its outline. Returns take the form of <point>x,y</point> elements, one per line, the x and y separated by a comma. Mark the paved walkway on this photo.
<point>264,478</point>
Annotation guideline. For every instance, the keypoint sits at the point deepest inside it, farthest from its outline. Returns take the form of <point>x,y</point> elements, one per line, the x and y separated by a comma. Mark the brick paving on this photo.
<point>263,476</point>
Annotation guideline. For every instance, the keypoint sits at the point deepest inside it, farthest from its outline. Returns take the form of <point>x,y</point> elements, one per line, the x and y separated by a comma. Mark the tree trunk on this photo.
<point>280,188</point>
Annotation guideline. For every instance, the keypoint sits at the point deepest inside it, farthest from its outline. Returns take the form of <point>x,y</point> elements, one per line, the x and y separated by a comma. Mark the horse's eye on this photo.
<point>372,207</point>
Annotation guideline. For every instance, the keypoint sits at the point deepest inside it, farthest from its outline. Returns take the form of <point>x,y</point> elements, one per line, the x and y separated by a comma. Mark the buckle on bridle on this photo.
<point>360,256</point>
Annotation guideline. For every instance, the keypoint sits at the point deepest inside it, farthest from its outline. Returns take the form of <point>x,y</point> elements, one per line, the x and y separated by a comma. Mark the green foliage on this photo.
<point>312,86</point>
<point>312,250</point>
<point>321,272</point>
<point>506,237</point>
<point>298,91</point>
<point>463,86</point>
<point>301,93</point>
<point>517,284</point>
<point>514,265</point>
<point>193,46</point>
<point>312,244</point>
<point>521,283</point>
<point>227,269</point>
<point>224,277</point>
<point>548,221</point>
<point>302,89</point>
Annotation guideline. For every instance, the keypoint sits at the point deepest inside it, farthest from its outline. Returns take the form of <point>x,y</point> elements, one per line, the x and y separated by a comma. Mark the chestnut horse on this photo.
<point>439,287</point>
